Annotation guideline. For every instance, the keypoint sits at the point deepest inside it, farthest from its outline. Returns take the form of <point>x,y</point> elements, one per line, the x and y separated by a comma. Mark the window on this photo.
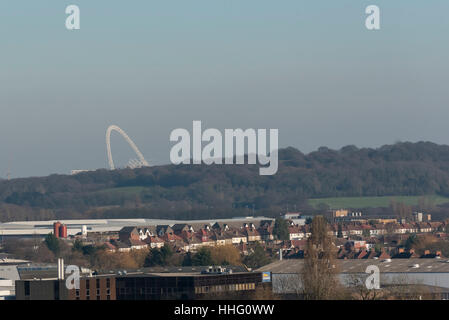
<point>27,288</point>
<point>108,283</point>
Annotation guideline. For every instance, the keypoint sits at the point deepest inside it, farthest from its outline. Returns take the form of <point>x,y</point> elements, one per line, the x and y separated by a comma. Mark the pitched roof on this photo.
<point>178,227</point>
<point>154,239</point>
<point>127,229</point>
<point>161,229</point>
<point>362,255</point>
<point>383,255</point>
<point>170,237</point>
<point>251,232</point>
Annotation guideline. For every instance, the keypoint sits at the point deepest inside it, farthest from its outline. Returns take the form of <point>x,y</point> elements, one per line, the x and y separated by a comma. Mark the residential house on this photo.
<point>180,228</point>
<point>154,242</point>
<point>252,234</point>
<point>238,237</point>
<point>378,230</point>
<point>355,230</point>
<point>137,244</point>
<point>295,233</point>
<point>163,229</point>
<point>127,233</point>
<point>266,230</point>
<point>424,227</point>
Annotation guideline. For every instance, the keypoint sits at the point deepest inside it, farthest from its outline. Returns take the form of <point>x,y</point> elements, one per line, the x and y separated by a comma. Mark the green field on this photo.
<point>373,202</point>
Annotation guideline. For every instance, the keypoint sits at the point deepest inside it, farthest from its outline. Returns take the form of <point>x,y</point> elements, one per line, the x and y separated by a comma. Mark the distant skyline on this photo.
<point>308,68</point>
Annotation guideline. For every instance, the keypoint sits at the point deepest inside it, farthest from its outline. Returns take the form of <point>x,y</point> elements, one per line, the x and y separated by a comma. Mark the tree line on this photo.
<point>200,191</point>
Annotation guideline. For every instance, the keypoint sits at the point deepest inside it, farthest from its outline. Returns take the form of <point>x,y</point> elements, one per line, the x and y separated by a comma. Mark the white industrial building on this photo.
<point>42,228</point>
<point>8,275</point>
<point>428,272</point>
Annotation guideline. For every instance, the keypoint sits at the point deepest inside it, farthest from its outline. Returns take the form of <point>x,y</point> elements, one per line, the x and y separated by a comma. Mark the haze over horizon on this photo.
<point>307,68</point>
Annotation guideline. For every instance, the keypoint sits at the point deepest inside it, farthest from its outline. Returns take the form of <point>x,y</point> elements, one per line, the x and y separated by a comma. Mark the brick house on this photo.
<point>295,233</point>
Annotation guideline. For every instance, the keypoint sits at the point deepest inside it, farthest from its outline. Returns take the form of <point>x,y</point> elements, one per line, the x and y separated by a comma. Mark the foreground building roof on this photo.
<point>360,265</point>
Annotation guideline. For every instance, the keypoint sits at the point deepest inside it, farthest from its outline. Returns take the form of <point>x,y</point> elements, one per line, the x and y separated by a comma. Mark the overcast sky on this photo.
<point>308,68</point>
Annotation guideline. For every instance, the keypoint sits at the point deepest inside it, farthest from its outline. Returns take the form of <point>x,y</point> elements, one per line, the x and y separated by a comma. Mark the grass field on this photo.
<point>373,202</point>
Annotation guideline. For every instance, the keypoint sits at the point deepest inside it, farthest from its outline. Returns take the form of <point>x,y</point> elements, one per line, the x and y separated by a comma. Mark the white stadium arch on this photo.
<point>111,128</point>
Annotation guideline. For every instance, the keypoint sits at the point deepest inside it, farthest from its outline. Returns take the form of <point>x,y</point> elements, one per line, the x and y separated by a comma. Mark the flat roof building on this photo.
<point>122,285</point>
<point>415,271</point>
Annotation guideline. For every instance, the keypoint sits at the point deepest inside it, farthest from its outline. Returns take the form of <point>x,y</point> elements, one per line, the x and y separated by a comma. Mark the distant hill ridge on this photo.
<point>191,191</point>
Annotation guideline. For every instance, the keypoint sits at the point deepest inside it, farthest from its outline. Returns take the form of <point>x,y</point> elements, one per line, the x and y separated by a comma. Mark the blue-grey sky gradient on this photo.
<point>309,68</point>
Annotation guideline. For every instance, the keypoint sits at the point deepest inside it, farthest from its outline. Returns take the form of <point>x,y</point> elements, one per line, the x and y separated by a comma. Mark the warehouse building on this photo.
<point>8,275</point>
<point>429,273</point>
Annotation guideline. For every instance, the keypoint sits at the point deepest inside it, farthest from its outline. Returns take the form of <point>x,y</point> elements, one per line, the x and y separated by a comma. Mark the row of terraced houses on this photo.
<point>190,237</point>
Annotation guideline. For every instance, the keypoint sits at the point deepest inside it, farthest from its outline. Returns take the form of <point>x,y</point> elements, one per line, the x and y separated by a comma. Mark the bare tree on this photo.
<point>401,210</point>
<point>358,289</point>
<point>289,284</point>
<point>319,273</point>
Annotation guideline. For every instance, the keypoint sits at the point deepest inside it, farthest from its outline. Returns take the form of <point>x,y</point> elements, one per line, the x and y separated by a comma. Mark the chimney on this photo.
<point>60,269</point>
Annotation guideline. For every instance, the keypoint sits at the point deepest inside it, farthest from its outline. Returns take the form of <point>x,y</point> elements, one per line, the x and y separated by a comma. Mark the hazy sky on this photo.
<point>309,68</point>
